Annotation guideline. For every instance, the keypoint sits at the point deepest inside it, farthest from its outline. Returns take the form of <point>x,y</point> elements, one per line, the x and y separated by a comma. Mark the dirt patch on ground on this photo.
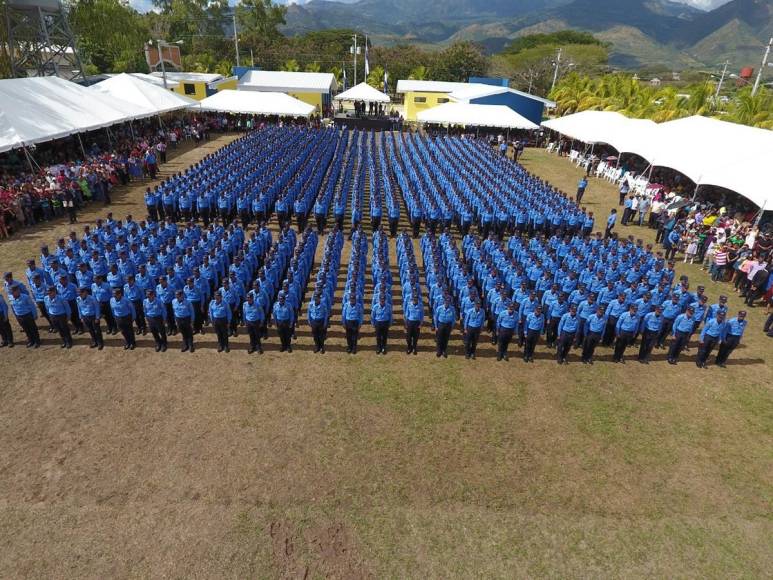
<point>326,551</point>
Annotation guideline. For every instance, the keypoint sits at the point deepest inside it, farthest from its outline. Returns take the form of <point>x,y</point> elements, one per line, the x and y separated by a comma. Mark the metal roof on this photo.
<point>411,86</point>
<point>284,81</point>
<point>189,77</point>
<point>474,91</point>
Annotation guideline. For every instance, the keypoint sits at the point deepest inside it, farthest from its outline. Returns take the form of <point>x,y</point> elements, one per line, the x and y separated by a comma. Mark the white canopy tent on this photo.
<point>588,126</point>
<point>256,103</point>
<point>146,96</point>
<point>363,92</point>
<point>706,150</point>
<point>695,145</point>
<point>38,109</point>
<point>751,177</point>
<point>475,116</point>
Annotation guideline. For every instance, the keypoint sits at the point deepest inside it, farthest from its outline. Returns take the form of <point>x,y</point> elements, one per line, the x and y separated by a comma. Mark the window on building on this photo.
<point>443,100</point>
<point>189,88</point>
<point>419,99</point>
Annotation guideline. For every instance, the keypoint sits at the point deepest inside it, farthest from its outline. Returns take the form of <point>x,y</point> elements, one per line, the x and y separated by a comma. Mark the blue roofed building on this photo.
<point>478,93</point>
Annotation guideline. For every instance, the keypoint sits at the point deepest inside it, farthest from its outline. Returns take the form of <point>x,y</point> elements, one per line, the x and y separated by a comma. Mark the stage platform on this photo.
<point>367,123</point>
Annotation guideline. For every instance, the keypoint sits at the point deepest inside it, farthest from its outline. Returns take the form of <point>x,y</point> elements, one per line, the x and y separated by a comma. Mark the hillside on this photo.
<point>642,32</point>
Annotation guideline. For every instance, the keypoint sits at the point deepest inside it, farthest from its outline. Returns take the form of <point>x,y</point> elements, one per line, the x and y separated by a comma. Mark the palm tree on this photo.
<point>313,67</point>
<point>290,65</point>
<point>420,73</point>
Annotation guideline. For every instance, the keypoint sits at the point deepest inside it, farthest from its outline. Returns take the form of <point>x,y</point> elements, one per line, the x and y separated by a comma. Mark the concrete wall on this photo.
<point>430,100</point>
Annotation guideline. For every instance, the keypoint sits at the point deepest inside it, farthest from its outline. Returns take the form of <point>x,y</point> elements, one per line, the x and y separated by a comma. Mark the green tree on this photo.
<point>110,35</point>
<point>420,73</point>
<point>291,65</point>
<point>376,77</point>
<point>459,62</point>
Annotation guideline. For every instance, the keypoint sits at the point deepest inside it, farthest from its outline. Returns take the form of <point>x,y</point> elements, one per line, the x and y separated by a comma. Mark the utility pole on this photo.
<point>555,70</point>
<point>161,58</point>
<point>354,50</point>
<point>762,68</point>
<point>721,80</point>
<point>236,39</point>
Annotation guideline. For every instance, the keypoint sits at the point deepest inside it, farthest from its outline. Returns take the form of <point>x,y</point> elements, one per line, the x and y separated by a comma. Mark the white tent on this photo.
<point>475,116</point>
<point>257,103</point>
<point>751,177</point>
<point>588,126</point>
<point>146,96</point>
<point>38,109</point>
<point>706,150</point>
<point>695,145</point>
<point>363,92</point>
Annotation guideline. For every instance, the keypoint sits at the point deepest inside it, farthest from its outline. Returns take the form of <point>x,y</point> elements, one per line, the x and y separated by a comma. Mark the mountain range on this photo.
<point>640,32</point>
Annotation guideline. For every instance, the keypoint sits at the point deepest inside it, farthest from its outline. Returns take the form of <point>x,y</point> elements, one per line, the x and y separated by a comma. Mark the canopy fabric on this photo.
<point>751,177</point>
<point>363,92</point>
<point>38,109</point>
<point>475,116</point>
<point>706,150</point>
<point>146,96</point>
<point>694,145</point>
<point>588,126</point>
<point>256,103</point>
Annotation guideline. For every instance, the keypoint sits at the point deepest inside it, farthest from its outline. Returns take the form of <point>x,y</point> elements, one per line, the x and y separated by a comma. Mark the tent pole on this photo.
<point>759,215</point>
<point>131,128</point>
<point>83,149</point>
<point>109,140</point>
<point>28,157</point>
<point>695,193</point>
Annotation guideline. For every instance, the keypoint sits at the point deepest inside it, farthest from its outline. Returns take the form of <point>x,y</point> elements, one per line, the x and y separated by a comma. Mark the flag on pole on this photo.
<point>344,75</point>
<point>367,64</point>
<point>386,82</point>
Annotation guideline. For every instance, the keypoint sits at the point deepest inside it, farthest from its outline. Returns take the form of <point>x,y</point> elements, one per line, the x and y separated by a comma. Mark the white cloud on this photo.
<point>703,4</point>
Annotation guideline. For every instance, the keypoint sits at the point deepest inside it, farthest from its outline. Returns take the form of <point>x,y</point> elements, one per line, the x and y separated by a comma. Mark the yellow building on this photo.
<point>422,95</point>
<point>197,85</point>
<point>312,88</point>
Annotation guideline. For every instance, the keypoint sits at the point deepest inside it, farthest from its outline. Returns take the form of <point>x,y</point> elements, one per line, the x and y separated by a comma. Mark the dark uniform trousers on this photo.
<point>140,312</point>
<point>29,327</point>
<point>589,345</point>
<point>393,226</point>
<point>124,324</point>
<point>198,317</point>
<point>352,334</point>
<point>321,223</point>
<point>412,328</point>
<point>221,330</point>
<point>185,326</point>
<point>677,345</point>
<point>95,330</point>
<point>471,340</point>
<point>552,331</point>
<point>504,337</point>
<point>532,337</point>
<point>60,325</point>
<point>285,331</point>
<point>382,333</point>
<point>442,336</point>
<point>726,348</point>
<point>107,312</point>
<point>648,340</point>
<point>158,330</point>
<point>253,330</point>
<point>668,324</point>
<point>75,316</point>
<point>564,345</point>
<point>6,333</point>
<point>609,331</point>
<point>318,333</point>
<point>624,340</point>
<point>44,313</point>
<point>171,321</point>
<point>704,352</point>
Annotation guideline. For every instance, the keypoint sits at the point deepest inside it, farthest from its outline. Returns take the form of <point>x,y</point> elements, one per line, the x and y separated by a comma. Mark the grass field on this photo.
<point>139,464</point>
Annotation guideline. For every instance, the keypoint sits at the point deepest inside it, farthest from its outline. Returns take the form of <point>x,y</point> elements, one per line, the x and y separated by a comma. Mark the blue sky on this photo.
<point>145,5</point>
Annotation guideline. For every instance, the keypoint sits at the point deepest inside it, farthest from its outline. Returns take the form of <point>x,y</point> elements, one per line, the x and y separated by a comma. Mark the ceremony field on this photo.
<point>117,464</point>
